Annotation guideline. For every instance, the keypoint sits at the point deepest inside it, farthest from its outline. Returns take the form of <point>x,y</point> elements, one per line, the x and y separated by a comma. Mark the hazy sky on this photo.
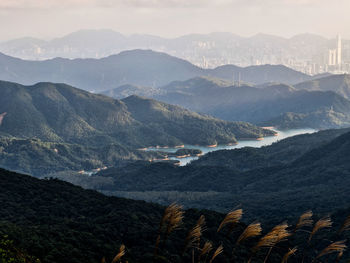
<point>50,18</point>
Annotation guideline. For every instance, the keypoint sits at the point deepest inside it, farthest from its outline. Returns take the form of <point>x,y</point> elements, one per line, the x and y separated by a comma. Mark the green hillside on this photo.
<point>40,158</point>
<point>277,105</point>
<point>320,104</point>
<point>95,130</point>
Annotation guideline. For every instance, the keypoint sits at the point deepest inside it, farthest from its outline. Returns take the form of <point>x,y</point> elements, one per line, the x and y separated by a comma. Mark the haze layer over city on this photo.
<point>307,35</point>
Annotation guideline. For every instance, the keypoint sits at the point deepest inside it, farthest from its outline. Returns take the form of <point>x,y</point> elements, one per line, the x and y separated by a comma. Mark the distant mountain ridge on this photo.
<point>214,49</point>
<point>135,67</point>
<point>337,83</point>
<point>269,105</point>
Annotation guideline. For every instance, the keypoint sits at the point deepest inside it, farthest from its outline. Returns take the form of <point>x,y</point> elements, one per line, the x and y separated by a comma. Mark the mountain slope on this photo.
<point>139,67</point>
<point>259,74</point>
<point>286,178</point>
<point>188,126</point>
<point>69,117</point>
<point>279,153</point>
<point>336,83</point>
<point>268,105</point>
<point>58,222</point>
<point>136,67</point>
<point>41,158</point>
<point>128,90</point>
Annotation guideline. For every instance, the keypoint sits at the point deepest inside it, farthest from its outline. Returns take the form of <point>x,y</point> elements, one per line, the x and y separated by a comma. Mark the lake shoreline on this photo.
<point>268,140</point>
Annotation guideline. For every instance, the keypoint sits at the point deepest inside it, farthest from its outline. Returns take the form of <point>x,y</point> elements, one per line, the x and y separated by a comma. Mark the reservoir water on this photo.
<point>244,143</point>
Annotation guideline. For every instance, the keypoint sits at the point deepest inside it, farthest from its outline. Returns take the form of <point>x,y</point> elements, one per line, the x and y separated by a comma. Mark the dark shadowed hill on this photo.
<point>58,223</point>
<point>137,67</point>
<point>288,177</point>
<point>279,153</point>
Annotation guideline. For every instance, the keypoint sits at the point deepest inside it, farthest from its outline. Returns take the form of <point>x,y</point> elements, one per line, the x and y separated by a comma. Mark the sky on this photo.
<point>47,19</point>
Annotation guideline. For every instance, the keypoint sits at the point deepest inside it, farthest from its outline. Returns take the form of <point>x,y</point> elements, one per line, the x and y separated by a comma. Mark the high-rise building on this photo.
<point>332,57</point>
<point>335,55</point>
<point>339,50</point>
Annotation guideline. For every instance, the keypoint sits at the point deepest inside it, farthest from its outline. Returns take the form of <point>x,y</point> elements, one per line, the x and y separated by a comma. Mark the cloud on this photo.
<point>157,4</point>
<point>29,4</point>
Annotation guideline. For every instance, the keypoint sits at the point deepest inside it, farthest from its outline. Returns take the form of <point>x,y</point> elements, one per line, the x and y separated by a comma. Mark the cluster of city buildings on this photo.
<point>307,56</point>
<point>335,60</point>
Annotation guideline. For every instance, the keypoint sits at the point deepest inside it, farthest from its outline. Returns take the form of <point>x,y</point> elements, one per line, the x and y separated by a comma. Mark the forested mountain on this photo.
<point>128,90</point>
<point>337,83</point>
<point>57,222</point>
<point>65,121</point>
<point>136,67</point>
<point>279,153</point>
<point>268,105</point>
<point>279,180</point>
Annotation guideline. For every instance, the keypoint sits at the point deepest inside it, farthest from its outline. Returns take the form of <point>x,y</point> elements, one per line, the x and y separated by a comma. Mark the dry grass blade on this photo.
<point>335,247</point>
<point>207,247</point>
<point>172,218</point>
<point>288,255</point>
<point>345,226</point>
<point>320,224</point>
<point>157,242</point>
<point>278,234</point>
<point>231,218</point>
<point>120,254</point>
<point>340,256</point>
<point>201,221</point>
<point>194,236</point>
<point>305,220</point>
<point>168,212</point>
<point>253,230</point>
<point>217,252</point>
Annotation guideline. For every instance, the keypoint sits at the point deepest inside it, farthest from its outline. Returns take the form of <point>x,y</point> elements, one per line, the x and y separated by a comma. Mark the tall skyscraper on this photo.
<point>339,51</point>
<point>332,57</point>
<point>335,55</point>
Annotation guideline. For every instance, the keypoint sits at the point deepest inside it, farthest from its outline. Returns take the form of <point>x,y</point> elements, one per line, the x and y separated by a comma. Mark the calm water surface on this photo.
<point>246,143</point>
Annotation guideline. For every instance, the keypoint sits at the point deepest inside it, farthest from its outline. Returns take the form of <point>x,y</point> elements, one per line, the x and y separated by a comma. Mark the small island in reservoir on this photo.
<point>183,153</point>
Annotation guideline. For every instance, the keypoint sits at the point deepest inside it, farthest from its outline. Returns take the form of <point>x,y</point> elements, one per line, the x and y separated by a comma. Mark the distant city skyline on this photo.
<point>172,18</point>
<point>53,37</point>
<point>309,54</point>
